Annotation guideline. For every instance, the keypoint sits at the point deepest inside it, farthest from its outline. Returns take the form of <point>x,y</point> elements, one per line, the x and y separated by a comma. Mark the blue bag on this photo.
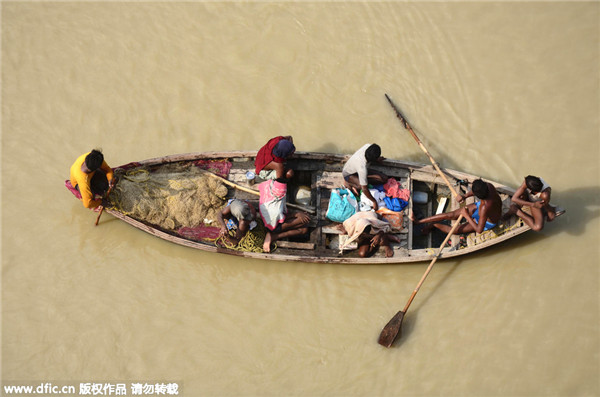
<point>342,205</point>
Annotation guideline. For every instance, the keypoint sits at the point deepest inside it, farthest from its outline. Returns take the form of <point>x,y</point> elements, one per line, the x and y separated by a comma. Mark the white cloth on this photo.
<point>367,205</point>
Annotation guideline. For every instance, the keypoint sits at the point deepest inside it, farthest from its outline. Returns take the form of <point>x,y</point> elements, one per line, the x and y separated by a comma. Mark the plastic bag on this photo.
<point>342,205</point>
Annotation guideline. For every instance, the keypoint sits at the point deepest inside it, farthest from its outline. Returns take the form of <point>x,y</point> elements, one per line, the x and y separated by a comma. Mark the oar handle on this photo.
<point>423,148</point>
<point>102,209</point>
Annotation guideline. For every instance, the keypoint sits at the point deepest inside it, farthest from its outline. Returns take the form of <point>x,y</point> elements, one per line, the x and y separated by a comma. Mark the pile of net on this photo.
<point>171,196</point>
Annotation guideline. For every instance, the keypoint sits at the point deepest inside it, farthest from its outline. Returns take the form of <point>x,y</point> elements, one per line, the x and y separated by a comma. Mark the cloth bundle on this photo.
<point>396,197</point>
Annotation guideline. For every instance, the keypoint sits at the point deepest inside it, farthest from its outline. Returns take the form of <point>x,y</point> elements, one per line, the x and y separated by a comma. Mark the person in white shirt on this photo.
<point>357,174</point>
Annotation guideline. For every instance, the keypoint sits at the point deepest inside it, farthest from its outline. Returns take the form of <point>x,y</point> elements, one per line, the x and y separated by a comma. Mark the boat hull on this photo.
<point>322,171</point>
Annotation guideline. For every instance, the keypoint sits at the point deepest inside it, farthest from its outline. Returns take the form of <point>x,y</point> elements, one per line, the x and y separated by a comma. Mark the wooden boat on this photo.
<point>318,173</point>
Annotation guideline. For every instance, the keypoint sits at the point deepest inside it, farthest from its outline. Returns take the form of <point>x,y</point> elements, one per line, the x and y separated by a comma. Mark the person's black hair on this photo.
<point>373,152</point>
<point>99,183</point>
<point>94,160</point>
<point>480,189</point>
<point>534,183</point>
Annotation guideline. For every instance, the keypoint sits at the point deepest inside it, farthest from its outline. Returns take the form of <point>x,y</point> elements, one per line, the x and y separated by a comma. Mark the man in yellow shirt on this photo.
<point>90,175</point>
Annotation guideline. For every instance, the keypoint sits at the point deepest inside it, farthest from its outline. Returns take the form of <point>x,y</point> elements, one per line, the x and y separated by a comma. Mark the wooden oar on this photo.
<point>102,209</point>
<point>390,332</point>
<point>252,191</point>
<point>423,148</point>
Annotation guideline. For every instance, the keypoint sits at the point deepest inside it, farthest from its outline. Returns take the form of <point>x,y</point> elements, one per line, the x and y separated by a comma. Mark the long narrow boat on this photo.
<point>175,198</point>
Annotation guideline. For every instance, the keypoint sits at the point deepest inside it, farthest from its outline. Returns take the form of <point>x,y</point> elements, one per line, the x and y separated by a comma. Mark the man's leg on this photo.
<point>535,221</point>
<point>376,178</point>
<point>293,226</point>
<point>352,183</point>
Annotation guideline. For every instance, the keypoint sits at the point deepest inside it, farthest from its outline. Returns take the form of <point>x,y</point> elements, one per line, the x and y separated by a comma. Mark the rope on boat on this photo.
<point>491,234</point>
<point>251,242</point>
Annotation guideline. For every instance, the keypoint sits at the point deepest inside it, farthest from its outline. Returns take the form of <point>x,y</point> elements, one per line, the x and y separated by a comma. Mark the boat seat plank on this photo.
<point>295,245</point>
<point>330,180</point>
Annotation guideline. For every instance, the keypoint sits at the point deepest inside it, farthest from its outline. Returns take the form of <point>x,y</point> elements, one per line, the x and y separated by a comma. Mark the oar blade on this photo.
<point>390,332</point>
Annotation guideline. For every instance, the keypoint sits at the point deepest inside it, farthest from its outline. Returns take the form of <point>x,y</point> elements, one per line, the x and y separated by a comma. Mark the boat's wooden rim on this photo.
<point>417,256</point>
<point>320,156</point>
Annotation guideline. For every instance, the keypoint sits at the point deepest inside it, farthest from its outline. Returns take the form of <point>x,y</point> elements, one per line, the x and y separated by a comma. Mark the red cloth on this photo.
<point>199,233</point>
<point>394,189</point>
<point>72,189</point>
<point>265,155</point>
<point>219,167</point>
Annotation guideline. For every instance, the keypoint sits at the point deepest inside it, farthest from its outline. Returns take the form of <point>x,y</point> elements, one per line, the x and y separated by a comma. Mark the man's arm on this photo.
<point>108,171</point>
<point>221,219</point>
<point>516,198</point>
<point>461,197</point>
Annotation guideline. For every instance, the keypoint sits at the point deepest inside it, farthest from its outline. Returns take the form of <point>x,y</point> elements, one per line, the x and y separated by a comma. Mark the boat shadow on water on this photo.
<point>582,207</point>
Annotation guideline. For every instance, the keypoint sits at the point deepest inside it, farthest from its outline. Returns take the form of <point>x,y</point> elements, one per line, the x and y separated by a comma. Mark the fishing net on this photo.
<point>173,196</point>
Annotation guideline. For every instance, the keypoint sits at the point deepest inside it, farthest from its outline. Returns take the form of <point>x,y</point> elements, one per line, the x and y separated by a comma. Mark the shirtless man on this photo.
<point>535,194</point>
<point>357,174</point>
<point>481,216</point>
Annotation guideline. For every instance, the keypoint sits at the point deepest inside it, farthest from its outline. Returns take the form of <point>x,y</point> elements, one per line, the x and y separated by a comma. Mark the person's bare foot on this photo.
<point>389,252</point>
<point>267,243</point>
<point>411,216</point>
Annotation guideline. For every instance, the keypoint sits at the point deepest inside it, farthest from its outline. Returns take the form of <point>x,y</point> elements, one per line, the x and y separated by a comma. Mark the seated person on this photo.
<point>82,172</point>
<point>368,243</point>
<point>241,213</point>
<point>357,174</point>
<point>370,232</point>
<point>535,194</point>
<point>481,216</point>
<point>271,158</point>
<point>273,211</point>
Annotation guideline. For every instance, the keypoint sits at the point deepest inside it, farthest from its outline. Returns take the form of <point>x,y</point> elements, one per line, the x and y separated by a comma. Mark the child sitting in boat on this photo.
<point>273,210</point>
<point>82,178</point>
<point>357,174</point>
<point>240,216</point>
<point>534,193</point>
<point>270,159</point>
